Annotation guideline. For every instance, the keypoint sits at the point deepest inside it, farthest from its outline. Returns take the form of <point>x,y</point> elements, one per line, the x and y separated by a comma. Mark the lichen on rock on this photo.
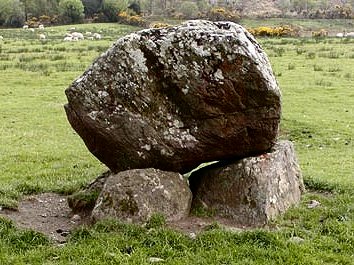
<point>136,195</point>
<point>172,98</point>
<point>253,190</point>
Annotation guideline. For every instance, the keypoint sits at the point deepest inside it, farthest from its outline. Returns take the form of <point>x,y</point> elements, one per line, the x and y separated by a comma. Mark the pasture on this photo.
<point>39,152</point>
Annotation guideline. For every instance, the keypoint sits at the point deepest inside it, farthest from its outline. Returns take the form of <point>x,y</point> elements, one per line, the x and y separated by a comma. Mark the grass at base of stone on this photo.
<point>40,152</point>
<point>322,238</point>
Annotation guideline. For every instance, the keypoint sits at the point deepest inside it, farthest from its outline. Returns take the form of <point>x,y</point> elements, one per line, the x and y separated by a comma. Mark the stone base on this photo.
<point>135,195</point>
<point>253,190</point>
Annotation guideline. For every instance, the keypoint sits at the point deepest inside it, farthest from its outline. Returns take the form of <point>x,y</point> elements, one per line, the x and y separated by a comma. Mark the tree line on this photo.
<point>15,13</point>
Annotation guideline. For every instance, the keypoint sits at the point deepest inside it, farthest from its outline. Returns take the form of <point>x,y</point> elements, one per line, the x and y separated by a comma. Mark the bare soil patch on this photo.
<point>50,214</point>
<point>47,213</point>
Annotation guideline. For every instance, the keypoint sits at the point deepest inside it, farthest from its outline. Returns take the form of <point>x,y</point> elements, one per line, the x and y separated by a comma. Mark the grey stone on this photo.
<point>135,195</point>
<point>192,235</point>
<point>296,240</point>
<point>253,190</point>
<point>313,204</point>
<point>76,218</point>
<point>172,98</point>
<point>154,259</point>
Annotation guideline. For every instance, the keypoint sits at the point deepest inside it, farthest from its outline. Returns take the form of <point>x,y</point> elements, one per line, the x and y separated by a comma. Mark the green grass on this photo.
<point>38,149</point>
<point>40,152</point>
<point>317,109</point>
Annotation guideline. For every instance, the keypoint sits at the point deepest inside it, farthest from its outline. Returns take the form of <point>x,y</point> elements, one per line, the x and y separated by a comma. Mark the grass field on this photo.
<point>40,152</point>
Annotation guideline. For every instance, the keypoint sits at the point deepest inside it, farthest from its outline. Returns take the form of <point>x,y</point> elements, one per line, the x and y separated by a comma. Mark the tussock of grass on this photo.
<point>156,221</point>
<point>317,68</point>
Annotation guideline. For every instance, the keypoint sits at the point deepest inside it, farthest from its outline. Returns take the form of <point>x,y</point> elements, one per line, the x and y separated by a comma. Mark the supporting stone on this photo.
<point>252,190</point>
<point>135,195</point>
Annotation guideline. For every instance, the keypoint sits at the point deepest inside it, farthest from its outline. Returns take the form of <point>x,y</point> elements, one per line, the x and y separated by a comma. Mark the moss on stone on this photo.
<point>83,200</point>
<point>128,204</point>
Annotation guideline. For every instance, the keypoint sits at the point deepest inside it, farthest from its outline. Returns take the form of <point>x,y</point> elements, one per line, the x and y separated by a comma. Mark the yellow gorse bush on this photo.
<point>158,25</point>
<point>281,31</point>
<point>320,34</point>
<point>218,10</point>
<point>134,20</point>
<point>220,14</point>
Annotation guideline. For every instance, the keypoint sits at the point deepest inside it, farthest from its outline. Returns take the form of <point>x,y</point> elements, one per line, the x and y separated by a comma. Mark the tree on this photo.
<point>189,9</point>
<point>147,6</point>
<point>71,10</point>
<point>284,5</point>
<point>203,5</point>
<point>92,7</point>
<point>323,4</point>
<point>28,5</point>
<point>161,7</point>
<point>38,8</point>
<point>302,5</point>
<point>11,13</point>
<point>135,6</point>
<point>111,8</point>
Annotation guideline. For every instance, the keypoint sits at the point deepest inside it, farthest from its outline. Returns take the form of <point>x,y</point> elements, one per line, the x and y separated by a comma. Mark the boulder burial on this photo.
<point>172,98</point>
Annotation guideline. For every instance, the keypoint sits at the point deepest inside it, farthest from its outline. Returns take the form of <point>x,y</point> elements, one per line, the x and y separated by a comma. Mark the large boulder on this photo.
<point>251,191</point>
<point>135,195</point>
<point>175,97</point>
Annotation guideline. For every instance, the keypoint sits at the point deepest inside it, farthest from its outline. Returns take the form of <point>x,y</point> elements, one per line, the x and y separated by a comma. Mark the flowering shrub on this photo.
<point>281,31</point>
<point>220,14</point>
<point>320,34</point>
<point>34,22</point>
<point>134,20</point>
<point>158,25</point>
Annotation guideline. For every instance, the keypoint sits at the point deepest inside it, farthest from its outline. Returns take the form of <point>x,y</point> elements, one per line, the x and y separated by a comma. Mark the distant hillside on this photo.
<point>265,8</point>
<point>274,8</point>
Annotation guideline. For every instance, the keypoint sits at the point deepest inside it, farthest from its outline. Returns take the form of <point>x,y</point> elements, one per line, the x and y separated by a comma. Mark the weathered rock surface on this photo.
<point>134,195</point>
<point>252,190</point>
<point>173,98</point>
